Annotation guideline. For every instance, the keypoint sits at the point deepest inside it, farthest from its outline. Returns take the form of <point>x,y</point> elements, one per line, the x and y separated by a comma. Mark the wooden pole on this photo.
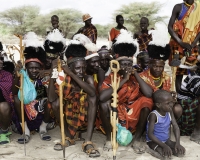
<point>174,69</point>
<point>61,111</point>
<point>21,90</point>
<point>113,114</point>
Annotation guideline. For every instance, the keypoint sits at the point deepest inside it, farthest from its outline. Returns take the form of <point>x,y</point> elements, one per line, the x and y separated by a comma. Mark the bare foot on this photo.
<point>137,147</point>
<point>107,146</point>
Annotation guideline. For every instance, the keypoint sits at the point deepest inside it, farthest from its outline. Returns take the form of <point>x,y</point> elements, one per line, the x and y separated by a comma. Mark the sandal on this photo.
<point>4,138</point>
<point>68,142</point>
<point>44,136</point>
<point>92,152</point>
<point>21,139</point>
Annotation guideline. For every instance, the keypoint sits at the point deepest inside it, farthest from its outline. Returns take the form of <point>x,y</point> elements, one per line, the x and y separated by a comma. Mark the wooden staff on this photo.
<point>61,111</point>
<point>113,114</point>
<point>21,89</point>
<point>174,69</point>
<point>109,41</point>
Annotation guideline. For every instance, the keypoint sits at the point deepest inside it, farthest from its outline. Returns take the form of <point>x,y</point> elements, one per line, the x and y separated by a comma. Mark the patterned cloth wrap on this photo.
<point>143,41</point>
<point>91,33</point>
<point>75,107</point>
<point>131,102</point>
<point>189,100</point>
<point>187,29</point>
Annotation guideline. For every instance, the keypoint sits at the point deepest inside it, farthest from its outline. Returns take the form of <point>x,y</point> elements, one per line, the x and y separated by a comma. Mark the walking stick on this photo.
<point>113,114</point>
<point>174,69</point>
<point>21,88</point>
<point>61,110</point>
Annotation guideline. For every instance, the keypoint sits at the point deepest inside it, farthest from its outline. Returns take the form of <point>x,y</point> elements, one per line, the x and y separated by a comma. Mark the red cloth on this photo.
<point>130,102</point>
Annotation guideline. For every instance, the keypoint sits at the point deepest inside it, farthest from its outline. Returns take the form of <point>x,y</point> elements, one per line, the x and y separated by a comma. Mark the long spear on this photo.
<point>113,114</point>
<point>21,50</point>
<point>61,110</point>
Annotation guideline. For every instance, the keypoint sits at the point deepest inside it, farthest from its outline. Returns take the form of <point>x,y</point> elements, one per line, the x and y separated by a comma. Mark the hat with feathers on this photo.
<point>125,46</point>
<point>55,42</point>
<point>34,51</point>
<point>159,47</point>
<point>75,51</point>
<point>87,43</point>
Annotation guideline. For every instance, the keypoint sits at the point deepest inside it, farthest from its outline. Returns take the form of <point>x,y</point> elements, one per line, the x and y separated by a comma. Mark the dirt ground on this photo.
<point>37,149</point>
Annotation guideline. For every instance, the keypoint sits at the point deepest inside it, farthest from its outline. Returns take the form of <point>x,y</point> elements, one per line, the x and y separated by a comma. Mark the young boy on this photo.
<point>158,126</point>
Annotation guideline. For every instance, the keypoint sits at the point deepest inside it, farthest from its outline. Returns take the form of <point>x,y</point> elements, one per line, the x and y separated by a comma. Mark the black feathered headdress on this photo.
<point>75,51</point>
<point>159,47</point>
<point>125,46</point>
<point>80,48</point>
<point>34,51</point>
<point>55,42</point>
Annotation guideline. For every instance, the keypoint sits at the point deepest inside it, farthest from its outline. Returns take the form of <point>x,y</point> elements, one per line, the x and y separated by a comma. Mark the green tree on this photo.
<point>20,19</point>
<point>133,12</point>
<point>69,20</point>
<point>103,30</point>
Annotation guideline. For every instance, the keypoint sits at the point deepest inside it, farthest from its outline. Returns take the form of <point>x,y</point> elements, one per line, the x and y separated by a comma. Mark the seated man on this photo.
<point>133,94</point>
<point>79,98</point>
<point>37,114</point>
<point>155,76</point>
<point>189,122</point>
<point>6,101</point>
<point>158,127</point>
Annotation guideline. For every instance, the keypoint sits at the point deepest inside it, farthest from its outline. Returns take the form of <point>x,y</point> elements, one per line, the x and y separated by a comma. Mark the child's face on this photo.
<point>167,103</point>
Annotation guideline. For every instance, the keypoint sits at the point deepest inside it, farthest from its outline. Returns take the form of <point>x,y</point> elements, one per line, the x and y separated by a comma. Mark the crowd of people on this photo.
<point>147,105</point>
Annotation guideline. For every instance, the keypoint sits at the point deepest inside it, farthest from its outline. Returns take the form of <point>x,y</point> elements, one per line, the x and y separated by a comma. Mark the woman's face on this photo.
<point>157,68</point>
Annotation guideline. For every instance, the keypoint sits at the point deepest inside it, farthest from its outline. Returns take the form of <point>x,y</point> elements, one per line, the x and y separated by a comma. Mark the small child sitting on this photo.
<point>158,126</point>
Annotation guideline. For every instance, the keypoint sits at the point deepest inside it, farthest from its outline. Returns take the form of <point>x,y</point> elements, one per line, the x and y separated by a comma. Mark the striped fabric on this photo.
<point>188,99</point>
<point>190,87</point>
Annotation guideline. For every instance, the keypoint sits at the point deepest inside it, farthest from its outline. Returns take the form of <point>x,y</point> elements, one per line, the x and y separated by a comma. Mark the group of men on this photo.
<point>87,84</point>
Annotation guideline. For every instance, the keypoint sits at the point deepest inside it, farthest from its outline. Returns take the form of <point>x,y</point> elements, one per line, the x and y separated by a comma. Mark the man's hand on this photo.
<point>54,63</point>
<point>167,151</point>
<point>186,46</point>
<point>19,66</point>
<point>174,95</point>
<point>43,73</point>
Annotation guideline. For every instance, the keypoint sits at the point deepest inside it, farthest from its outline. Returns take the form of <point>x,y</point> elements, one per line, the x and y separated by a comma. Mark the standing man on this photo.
<point>55,24</point>
<point>184,29</point>
<point>89,29</point>
<point>143,37</point>
<point>116,30</point>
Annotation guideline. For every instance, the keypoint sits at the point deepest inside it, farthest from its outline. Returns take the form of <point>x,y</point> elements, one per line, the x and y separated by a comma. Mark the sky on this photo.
<point>100,10</point>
